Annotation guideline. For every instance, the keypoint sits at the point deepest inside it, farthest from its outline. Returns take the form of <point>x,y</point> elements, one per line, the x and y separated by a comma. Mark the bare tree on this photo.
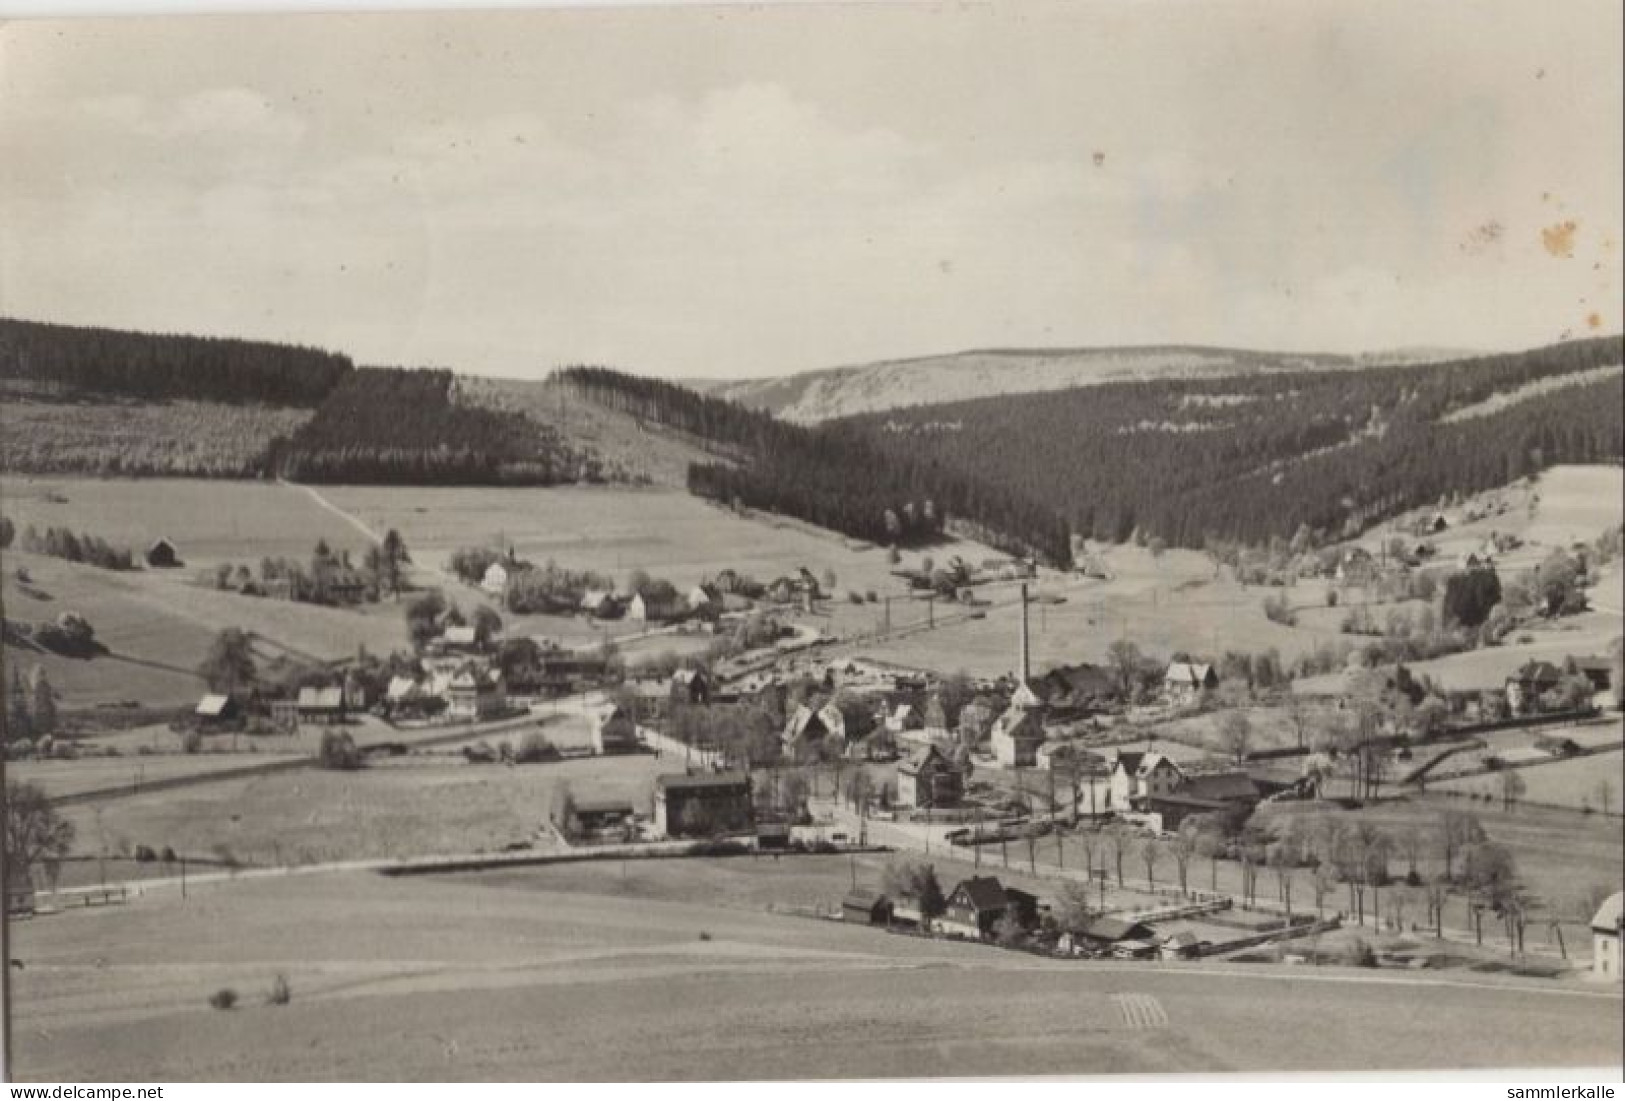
<point>1512,788</point>
<point>1117,840</point>
<point>1235,734</point>
<point>36,838</point>
<point>1181,848</point>
<point>1150,852</point>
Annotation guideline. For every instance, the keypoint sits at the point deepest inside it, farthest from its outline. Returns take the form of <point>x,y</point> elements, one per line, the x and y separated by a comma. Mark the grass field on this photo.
<point>400,807</point>
<point>157,627</point>
<point>58,778</point>
<point>1576,782</point>
<point>452,979</point>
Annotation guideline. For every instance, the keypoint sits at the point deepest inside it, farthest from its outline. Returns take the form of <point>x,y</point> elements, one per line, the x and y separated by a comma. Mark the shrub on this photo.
<point>168,855</point>
<point>191,740</point>
<point>144,854</point>
<point>281,993</point>
<point>704,935</point>
<point>480,753</point>
<point>224,998</point>
<point>871,597</point>
<point>338,751</point>
<point>533,747</point>
<point>1360,954</point>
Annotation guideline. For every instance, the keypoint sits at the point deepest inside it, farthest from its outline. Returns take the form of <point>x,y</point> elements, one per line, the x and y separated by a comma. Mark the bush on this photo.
<point>224,998</point>
<point>168,855</point>
<point>480,753</point>
<point>339,751</point>
<point>191,740</point>
<point>533,747</point>
<point>144,854</point>
<point>704,935</point>
<point>853,596</point>
<point>281,993</point>
<point>1360,954</point>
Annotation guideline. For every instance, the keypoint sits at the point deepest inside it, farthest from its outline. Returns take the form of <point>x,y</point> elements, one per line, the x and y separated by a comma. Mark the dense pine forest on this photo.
<point>1248,458</point>
<point>147,365</point>
<point>838,477</point>
<point>405,427</point>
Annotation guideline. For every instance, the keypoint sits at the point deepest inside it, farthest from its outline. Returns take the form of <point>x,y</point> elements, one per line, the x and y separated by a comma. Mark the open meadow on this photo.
<point>455,978</point>
<point>1595,782</point>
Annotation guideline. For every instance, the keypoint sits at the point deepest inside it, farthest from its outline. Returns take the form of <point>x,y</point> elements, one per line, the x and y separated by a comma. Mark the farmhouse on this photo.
<point>905,716</point>
<point>321,705</point>
<point>929,779</point>
<point>495,580</point>
<point>974,907</point>
<point>1607,925</point>
<point>162,555</point>
<point>690,686</point>
<point>866,907</point>
<point>1532,680</point>
<point>806,731</point>
<point>1184,680</point>
<point>701,805</point>
<point>1137,776</point>
<point>704,597</point>
<point>475,694</point>
<point>459,638</point>
<point>217,711</point>
<point>614,732</point>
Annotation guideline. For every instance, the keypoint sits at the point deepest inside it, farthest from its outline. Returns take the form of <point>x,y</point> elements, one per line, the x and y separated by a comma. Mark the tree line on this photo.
<point>167,365</point>
<point>838,476</point>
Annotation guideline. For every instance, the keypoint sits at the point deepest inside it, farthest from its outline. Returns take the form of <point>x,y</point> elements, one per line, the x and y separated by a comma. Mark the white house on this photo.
<point>1137,775</point>
<point>1185,680</point>
<point>1606,927</point>
<point>1016,736</point>
<point>495,580</point>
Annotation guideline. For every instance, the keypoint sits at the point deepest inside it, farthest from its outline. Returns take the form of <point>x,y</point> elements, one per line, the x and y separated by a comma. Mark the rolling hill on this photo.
<point>892,384</point>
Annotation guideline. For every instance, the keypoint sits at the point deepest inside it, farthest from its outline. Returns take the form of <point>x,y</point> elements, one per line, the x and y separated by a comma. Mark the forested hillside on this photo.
<point>838,477</point>
<point>147,365</point>
<point>1252,457</point>
<point>396,426</point>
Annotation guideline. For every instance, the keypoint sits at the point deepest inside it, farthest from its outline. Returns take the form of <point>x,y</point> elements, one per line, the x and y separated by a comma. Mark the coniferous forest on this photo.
<point>404,427</point>
<point>1247,458</point>
<point>147,365</point>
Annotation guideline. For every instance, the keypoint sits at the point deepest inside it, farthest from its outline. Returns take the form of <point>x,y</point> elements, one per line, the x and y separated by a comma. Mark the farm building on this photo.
<point>929,779</point>
<point>690,686</point>
<point>1108,932</point>
<point>475,694</point>
<point>321,705</point>
<point>217,711</point>
<point>495,581</point>
<point>974,907</point>
<point>1016,736</point>
<point>614,732</point>
<point>905,716</point>
<point>1185,680</point>
<point>865,907</point>
<point>162,555</point>
<point>806,730</point>
<point>1137,776</point>
<point>599,816</point>
<point>1607,925</point>
<point>1532,680</point>
<point>701,805</point>
<point>459,638</point>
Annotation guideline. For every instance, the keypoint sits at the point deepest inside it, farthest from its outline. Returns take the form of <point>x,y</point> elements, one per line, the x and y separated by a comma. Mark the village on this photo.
<point>1067,812</point>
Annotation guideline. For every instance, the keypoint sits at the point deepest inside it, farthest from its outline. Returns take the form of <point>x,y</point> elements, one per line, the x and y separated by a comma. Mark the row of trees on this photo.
<point>92,550</point>
<point>329,577</point>
<point>30,705</point>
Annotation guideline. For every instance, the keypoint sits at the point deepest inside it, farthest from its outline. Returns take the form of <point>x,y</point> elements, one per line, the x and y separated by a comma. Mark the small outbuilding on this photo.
<point>866,907</point>
<point>1607,925</point>
<point>162,555</point>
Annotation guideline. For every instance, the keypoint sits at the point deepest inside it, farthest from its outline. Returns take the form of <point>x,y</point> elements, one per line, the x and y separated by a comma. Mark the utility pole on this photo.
<point>5,937</point>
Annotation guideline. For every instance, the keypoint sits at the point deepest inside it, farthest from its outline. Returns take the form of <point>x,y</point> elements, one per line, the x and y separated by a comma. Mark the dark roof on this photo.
<point>603,806</point>
<point>1110,928</point>
<point>1130,760</point>
<point>1539,672</point>
<point>862,898</point>
<point>917,760</point>
<point>1220,785</point>
<point>984,893</point>
<point>704,781</point>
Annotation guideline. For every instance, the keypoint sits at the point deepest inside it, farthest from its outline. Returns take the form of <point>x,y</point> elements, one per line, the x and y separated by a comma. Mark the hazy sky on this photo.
<point>733,191</point>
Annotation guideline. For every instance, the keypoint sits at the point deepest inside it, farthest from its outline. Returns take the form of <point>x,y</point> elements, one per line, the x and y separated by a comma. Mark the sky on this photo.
<point>701,192</point>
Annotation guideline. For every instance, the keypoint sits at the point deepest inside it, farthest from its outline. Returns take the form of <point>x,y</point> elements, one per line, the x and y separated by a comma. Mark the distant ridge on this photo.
<point>832,392</point>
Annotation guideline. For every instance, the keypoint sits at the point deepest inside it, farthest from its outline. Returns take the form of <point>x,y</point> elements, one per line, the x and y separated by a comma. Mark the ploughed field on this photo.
<point>451,978</point>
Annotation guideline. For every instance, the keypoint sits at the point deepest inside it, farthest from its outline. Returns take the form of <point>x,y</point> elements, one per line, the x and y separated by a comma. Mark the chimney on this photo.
<point>1026,647</point>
